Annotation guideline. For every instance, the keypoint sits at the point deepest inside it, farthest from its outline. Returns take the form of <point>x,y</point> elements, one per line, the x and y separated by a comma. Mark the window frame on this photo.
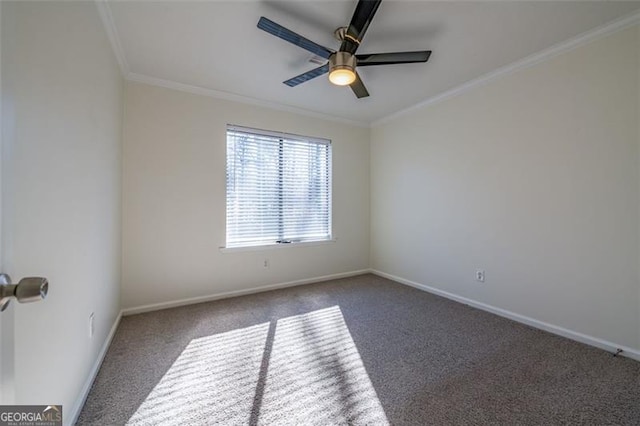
<point>282,243</point>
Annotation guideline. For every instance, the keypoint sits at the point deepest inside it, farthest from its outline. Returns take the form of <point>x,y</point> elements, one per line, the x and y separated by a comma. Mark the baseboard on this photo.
<point>570,334</point>
<point>226,295</point>
<point>75,412</point>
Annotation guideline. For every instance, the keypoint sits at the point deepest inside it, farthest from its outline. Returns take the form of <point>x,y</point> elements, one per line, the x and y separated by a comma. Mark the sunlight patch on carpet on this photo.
<point>303,369</point>
<point>316,374</point>
<point>212,381</point>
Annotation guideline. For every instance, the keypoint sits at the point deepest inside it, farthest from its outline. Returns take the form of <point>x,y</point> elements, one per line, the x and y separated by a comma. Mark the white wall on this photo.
<point>174,199</point>
<point>534,178</point>
<point>62,114</point>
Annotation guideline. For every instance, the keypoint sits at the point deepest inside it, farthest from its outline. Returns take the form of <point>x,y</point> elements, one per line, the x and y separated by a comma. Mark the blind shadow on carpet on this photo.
<point>292,370</point>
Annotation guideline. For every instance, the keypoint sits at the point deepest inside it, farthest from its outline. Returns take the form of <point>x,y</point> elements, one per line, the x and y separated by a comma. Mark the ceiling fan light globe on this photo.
<point>342,76</point>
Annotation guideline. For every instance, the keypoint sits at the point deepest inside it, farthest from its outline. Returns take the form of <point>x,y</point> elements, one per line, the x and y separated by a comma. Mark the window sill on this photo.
<point>277,246</point>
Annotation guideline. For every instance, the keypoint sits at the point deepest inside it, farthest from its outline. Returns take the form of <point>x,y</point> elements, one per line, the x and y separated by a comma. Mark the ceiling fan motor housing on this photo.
<point>342,60</point>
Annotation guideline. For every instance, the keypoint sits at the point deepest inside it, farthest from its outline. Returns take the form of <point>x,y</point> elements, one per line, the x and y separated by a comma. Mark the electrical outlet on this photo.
<point>91,325</point>
<point>266,263</point>
<point>480,275</point>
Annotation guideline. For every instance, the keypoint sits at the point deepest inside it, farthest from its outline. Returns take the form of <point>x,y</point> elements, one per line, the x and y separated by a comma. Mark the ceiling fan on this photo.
<point>342,64</point>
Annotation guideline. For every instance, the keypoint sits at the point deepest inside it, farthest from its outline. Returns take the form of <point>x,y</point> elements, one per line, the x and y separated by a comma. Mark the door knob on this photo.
<point>29,289</point>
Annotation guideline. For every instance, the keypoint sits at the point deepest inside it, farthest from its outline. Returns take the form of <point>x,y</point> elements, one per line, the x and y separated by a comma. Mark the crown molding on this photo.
<point>544,55</point>
<point>112,33</point>
<point>218,94</point>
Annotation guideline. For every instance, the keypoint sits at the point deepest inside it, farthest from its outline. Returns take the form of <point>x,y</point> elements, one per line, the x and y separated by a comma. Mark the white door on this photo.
<point>6,317</point>
<point>6,356</point>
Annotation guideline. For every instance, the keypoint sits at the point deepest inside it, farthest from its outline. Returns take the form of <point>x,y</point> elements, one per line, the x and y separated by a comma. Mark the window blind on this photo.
<point>278,188</point>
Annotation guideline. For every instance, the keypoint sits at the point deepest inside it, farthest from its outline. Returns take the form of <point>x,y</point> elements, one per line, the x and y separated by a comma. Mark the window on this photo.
<point>278,188</point>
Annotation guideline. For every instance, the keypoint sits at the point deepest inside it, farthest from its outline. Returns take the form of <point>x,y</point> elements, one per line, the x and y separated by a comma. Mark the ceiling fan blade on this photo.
<point>292,82</point>
<point>358,87</point>
<point>362,17</point>
<point>288,35</point>
<point>393,58</point>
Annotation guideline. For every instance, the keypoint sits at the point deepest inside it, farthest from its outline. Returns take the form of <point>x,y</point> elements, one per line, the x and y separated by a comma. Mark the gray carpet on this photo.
<point>361,350</point>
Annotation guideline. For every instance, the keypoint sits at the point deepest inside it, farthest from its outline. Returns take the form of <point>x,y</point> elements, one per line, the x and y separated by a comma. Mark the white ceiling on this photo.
<point>216,45</point>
